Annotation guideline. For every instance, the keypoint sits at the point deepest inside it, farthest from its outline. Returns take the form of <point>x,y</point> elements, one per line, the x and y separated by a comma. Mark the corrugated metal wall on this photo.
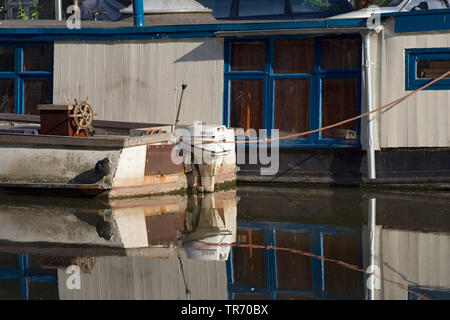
<point>413,259</point>
<point>141,80</point>
<point>136,278</point>
<point>423,120</point>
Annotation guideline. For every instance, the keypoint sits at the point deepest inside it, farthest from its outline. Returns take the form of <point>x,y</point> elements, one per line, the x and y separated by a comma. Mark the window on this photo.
<point>424,65</point>
<point>270,9</point>
<point>295,85</point>
<point>285,273</point>
<point>25,77</point>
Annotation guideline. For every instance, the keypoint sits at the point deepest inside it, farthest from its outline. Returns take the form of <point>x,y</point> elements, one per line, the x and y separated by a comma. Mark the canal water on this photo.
<point>248,243</point>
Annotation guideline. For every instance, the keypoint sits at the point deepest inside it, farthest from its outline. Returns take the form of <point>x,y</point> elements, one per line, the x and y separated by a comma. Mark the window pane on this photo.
<point>249,263</point>
<point>306,6</point>
<point>338,104</point>
<point>249,8</point>
<point>6,58</point>
<point>220,8</point>
<point>339,279</point>
<point>246,104</point>
<point>9,289</point>
<point>249,296</point>
<point>36,92</point>
<point>294,271</point>
<point>293,296</point>
<point>9,261</point>
<point>43,291</point>
<point>6,95</point>
<point>247,56</point>
<point>37,58</point>
<point>340,54</point>
<point>293,56</point>
<point>430,69</point>
<point>291,106</point>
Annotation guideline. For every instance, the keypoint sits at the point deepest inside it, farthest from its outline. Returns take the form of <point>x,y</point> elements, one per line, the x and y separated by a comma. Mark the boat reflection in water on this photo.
<point>143,248</point>
<point>275,243</point>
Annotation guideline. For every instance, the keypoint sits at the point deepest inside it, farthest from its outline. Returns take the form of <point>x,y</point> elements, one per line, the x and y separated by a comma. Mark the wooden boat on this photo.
<point>51,155</point>
<point>147,226</point>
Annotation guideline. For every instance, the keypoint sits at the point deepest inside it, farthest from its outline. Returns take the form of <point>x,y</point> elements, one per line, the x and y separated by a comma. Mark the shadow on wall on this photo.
<point>205,52</point>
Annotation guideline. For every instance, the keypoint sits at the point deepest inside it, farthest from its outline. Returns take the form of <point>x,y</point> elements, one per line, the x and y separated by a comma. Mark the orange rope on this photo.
<point>332,125</point>
<point>312,255</point>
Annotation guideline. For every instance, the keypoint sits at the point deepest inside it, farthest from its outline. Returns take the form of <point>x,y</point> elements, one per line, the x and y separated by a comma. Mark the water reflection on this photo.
<point>271,244</point>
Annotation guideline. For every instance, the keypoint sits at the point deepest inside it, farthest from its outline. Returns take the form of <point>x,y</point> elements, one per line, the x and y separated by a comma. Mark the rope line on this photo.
<point>295,135</point>
<point>312,255</point>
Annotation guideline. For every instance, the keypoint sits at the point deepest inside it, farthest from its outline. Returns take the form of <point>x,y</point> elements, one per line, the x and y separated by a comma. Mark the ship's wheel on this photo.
<point>83,115</point>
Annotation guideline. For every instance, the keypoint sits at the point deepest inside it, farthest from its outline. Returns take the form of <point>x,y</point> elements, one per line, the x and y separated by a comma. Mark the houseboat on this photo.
<point>294,68</point>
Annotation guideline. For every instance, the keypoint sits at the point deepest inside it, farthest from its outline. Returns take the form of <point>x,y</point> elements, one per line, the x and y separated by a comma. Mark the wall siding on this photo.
<point>141,80</point>
<point>142,278</point>
<point>422,120</point>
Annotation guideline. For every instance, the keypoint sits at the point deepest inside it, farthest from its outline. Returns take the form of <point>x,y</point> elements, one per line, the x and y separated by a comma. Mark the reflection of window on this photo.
<point>6,95</point>
<point>424,65</point>
<point>6,59</point>
<point>234,9</point>
<point>25,78</point>
<point>280,271</point>
<point>249,265</point>
<point>248,8</point>
<point>25,277</point>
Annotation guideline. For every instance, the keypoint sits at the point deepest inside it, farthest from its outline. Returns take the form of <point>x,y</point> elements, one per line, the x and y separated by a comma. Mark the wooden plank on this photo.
<point>113,142</point>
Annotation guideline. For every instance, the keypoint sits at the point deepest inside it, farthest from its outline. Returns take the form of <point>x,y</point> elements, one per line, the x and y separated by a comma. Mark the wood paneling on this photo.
<point>293,56</point>
<point>247,56</point>
<point>246,104</point>
<point>291,106</point>
<point>338,104</point>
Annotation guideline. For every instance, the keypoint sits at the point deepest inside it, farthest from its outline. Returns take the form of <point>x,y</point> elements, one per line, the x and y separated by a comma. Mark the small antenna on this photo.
<point>183,87</point>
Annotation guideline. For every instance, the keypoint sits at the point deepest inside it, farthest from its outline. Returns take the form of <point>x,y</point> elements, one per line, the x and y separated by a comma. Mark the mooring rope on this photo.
<point>295,135</point>
<point>312,255</point>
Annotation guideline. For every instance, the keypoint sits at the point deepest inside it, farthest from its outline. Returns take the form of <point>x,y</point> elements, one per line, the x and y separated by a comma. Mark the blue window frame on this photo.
<point>22,80</point>
<point>26,276</point>
<point>316,79</point>
<point>424,65</point>
<point>271,288</point>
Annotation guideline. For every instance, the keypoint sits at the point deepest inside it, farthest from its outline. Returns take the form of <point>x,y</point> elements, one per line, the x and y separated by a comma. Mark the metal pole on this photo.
<point>58,10</point>
<point>372,218</point>
<point>183,87</point>
<point>138,12</point>
<point>371,168</point>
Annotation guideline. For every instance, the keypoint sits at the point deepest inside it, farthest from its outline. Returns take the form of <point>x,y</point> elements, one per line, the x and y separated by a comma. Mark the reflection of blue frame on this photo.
<point>411,58</point>
<point>268,78</point>
<point>26,275</point>
<point>19,76</point>
<point>316,233</point>
<point>434,293</point>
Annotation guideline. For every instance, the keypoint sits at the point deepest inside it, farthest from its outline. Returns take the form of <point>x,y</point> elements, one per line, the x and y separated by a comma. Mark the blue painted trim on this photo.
<point>138,13</point>
<point>26,275</point>
<point>162,32</point>
<point>411,58</point>
<point>316,238</point>
<point>19,76</point>
<point>421,21</point>
<point>313,140</point>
